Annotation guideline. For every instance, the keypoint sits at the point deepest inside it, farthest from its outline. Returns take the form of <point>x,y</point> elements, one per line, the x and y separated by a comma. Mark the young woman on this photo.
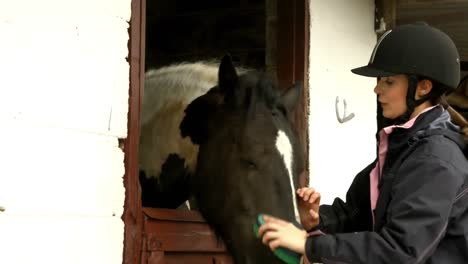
<point>411,204</point>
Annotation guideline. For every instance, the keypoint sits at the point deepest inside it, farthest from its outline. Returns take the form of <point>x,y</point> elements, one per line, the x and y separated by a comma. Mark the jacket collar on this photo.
<point>435,121</point>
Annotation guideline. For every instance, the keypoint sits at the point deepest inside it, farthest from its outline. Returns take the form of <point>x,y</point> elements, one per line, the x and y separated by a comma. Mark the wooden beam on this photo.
<point>292,60</point>
<point>132,215</point>
<point>385,16</point>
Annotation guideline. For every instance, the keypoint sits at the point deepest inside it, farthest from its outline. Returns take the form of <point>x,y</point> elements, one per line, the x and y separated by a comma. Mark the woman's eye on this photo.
<point>389,82</point>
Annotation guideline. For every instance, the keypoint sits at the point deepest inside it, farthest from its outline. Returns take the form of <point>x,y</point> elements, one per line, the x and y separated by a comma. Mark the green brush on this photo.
<point>286,255</point>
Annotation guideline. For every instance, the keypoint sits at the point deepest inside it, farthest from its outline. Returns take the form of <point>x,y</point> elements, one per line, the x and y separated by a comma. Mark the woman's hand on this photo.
<point>309,205</point>
<point>279,233</point>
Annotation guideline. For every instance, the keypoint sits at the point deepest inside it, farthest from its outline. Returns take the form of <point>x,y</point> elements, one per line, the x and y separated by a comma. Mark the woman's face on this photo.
<point>391,92</point>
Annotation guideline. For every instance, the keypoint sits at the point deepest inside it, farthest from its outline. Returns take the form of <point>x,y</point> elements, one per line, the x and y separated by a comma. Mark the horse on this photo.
<point>249,158</point>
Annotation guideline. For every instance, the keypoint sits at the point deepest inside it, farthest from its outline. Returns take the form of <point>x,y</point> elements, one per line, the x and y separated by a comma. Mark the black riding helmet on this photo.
<point>420,52</point>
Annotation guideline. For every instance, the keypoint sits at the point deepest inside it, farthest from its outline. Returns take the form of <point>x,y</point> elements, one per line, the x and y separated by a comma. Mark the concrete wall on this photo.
<point>63,105</point>
<point>341,38</point>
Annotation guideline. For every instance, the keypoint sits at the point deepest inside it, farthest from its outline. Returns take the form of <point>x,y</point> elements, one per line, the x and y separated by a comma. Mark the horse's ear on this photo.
<point>227,75</point>
<point>198,114</point>
<point>291,96</point>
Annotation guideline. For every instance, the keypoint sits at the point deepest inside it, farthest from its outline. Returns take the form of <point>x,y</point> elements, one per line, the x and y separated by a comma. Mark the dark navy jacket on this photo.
<point>421,214</point>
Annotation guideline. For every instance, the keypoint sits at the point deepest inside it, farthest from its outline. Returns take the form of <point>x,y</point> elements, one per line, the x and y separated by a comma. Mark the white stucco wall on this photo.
<point>341,38</point>
<point>63,105</point>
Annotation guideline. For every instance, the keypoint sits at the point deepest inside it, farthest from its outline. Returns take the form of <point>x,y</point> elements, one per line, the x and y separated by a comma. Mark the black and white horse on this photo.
<point>249,159</point>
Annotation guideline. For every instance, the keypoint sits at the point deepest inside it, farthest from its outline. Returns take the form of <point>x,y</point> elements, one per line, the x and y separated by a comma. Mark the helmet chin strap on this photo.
<point>411,103</point>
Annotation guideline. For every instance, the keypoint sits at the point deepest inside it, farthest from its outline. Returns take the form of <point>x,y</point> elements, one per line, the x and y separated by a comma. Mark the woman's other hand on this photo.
<point>309,205</point>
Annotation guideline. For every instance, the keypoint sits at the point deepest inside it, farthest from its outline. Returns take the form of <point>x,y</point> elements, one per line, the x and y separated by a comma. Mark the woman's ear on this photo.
<point>424,88</point>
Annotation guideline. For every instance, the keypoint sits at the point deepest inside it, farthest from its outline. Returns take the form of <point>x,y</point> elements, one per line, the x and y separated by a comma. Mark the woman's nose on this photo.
<point>377,89</point>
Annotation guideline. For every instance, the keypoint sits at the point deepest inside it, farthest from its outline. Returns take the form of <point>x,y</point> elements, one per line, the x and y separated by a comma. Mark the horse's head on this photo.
<point>249,160</point>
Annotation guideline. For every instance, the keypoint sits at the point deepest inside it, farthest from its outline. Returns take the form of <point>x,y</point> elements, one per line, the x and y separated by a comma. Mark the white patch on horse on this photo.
<point>283,144</point>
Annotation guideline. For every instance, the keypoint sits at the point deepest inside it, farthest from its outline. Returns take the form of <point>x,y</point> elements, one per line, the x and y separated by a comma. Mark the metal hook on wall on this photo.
<point>344,117</point>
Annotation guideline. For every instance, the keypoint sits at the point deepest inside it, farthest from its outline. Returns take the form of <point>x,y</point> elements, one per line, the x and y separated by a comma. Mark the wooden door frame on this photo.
<point>133,215</point>
<point>292,61</point>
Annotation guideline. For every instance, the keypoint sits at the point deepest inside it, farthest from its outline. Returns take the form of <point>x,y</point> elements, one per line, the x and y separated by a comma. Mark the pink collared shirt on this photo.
<point>383,146</point>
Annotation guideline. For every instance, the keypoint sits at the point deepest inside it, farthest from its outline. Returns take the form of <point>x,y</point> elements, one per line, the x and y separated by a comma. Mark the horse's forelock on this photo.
<point>268,90</point>
<point>255,88</point>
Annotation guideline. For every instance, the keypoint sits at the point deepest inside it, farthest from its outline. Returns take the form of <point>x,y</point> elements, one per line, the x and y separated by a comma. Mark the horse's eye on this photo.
<point>282,109</point>
<point>252,165</point>
<point>249,164</point>
<point>279,110</point>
